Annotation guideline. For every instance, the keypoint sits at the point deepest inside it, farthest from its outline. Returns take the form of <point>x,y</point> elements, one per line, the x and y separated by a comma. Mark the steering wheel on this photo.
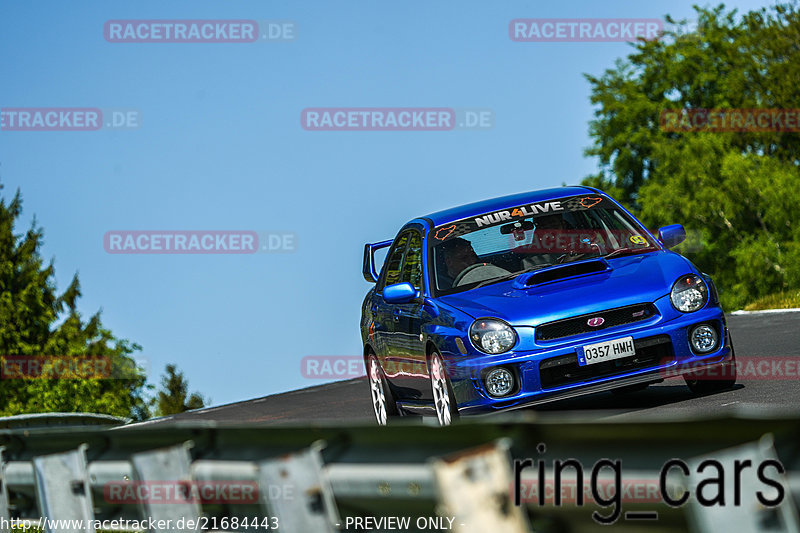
<point>492,271</point>
<point>466,271</point>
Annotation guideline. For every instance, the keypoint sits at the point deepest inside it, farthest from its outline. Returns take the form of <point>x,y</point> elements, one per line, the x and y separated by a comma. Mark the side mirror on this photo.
<point>671,235</point>
<point>400,293</point>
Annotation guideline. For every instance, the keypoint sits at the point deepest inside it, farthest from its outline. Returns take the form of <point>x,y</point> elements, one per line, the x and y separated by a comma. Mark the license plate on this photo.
<point>605,351</point>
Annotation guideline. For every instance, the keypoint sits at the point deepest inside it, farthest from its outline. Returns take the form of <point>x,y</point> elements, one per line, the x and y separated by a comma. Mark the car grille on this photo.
<point>564,370</point>
<point>579,324</point>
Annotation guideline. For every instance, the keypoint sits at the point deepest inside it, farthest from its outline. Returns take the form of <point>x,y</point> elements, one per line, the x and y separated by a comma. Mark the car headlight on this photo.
<point>492,336</point>
<point>689,293</point>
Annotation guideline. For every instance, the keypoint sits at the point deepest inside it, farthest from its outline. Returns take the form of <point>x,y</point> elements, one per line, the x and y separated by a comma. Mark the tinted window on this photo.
<point>394,260</point>
<point>412,266</point>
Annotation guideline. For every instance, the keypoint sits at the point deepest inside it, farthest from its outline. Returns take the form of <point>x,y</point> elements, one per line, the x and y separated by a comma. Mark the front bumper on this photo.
<point>551,373</point>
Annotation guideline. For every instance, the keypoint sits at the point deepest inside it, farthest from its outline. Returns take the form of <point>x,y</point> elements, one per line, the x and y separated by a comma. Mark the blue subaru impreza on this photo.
<point>532,298</point>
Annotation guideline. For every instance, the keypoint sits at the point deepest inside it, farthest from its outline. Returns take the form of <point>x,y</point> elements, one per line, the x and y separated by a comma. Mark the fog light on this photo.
<point>499,382</point>
<point>704,339</point>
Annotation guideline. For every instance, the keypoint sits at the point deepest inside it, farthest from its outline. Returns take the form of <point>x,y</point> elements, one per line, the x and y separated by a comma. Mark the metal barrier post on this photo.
<point>474,489</point>
<point>172,465</point>
<point>63,492</point>
<point>312,506</point>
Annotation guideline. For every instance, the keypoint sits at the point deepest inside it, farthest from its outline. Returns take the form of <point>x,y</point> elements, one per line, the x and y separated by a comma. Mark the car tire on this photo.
<point>384,405</point>
<point>698,385</point>
<point>444,401</point>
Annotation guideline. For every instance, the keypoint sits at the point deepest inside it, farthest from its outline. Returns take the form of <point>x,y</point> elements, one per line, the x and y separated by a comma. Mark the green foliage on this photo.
<point>36,321</point>
<point>781,300</point>
<point>172,398</point>
<point>737,193</point>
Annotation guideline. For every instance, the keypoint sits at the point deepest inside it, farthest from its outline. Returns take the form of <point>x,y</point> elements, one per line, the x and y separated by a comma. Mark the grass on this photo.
<point>780,300</point>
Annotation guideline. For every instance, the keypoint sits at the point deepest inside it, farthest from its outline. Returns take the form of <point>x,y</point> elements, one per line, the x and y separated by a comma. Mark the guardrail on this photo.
<point>407,477</point>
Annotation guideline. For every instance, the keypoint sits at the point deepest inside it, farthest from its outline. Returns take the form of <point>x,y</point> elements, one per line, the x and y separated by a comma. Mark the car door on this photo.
<point>409,320</point>
<point>407,364</point>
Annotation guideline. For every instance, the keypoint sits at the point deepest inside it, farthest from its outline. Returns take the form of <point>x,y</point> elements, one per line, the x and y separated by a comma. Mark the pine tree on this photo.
<point>35,321</point>
<point>172,398</point>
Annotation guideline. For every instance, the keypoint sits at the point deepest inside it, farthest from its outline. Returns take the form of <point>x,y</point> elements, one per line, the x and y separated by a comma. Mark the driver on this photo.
<point>458,255</point>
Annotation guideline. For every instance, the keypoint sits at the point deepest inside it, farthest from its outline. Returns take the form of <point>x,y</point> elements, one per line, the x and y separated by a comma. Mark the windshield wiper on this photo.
<point>509,276</point>
<point>628,250</point>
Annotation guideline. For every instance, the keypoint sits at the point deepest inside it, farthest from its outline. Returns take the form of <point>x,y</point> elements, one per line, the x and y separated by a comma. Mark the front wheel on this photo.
<point>383,403</point>
<point>443,398</point>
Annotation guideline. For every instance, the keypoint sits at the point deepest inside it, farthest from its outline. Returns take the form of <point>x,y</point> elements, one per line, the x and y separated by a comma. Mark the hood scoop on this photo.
<point>561,272</point>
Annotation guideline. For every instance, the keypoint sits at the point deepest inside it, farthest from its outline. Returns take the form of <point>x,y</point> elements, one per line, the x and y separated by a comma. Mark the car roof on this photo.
<point>495,204</point>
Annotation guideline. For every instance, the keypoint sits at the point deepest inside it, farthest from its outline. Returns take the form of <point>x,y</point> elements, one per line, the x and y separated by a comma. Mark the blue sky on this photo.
<point>221,147</point>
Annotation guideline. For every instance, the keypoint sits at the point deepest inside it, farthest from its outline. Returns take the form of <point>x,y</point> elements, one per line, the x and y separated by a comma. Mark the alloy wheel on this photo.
<point>376,391</point>
<point>441,395</point>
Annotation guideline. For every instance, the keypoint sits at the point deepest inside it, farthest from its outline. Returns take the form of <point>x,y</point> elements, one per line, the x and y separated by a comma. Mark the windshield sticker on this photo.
<point>443,233</point>
<point>590,201</point>
<point>541,209</point>
<point>524,211</point>
<point>638,239</point>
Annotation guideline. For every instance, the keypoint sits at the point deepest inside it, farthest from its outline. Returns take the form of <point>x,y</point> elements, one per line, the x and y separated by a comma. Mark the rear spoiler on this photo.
<point>369,259</point>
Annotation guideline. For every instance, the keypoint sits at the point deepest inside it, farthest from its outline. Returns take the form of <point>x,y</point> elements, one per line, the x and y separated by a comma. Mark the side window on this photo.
<point>394,260</point>
<point>412,266</point>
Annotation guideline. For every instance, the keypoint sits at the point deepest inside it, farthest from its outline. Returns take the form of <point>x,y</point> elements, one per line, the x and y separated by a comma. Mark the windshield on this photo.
<point>503,244</point>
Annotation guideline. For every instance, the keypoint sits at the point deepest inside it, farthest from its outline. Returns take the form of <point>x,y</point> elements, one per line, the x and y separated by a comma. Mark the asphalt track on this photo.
<point>755,336</point>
